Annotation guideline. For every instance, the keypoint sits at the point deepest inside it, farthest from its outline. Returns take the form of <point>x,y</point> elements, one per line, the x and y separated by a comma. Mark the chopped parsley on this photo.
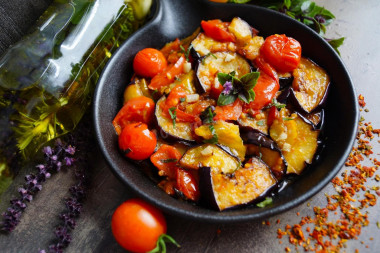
<point>173,115</point>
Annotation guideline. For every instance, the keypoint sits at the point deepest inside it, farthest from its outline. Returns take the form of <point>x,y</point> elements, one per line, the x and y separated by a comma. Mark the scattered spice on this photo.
<point>350,199</point>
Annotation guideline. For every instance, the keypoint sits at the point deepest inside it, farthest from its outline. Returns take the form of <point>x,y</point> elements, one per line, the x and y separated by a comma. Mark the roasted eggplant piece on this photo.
<point>204,45</point>
<point>309,87</point>
<point>244,186</point>
<point>272,157</point>
<point>264,147</point>
<point>182,131</point>
<point>224,62</point>
<point>297,140</point>
<point>209,155</point>
<point>256,123</point>
<point>316,119</point>
<point>241,29</point>
<point>228,136</point>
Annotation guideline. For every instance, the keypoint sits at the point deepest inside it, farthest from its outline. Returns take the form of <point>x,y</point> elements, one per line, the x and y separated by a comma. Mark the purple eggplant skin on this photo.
<point>208,197</point>
<point>285,82</point>
<point>257,138</point>
<point>317,126</point>
<point>164,132</point>
<point>197,83</point>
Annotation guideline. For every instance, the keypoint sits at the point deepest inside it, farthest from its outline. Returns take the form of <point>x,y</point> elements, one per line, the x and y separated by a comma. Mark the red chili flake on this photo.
<point>331,235</point>
<point>278,221</point>
<point>267,223</point>
<point>361,101</point>
<point>218,231</point>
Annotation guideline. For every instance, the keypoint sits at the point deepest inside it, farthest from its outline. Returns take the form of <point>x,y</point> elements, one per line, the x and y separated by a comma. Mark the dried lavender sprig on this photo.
<point>82,138</point>
<point>55,158</point>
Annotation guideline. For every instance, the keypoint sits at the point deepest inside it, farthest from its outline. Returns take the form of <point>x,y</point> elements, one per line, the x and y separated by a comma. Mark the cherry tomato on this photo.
<point>175,96</point>
<point>149,62</point>
<point>187,184</point>
<point>265,90</point>
<point>272,115</point>
<point>282,52</point>
<point>168,75</point>
<point>138,109</point>
<point>137,225</point>
<point>137,141</point>
<point>217,30</point>
<point>229,112</point>
<point>165,159</point>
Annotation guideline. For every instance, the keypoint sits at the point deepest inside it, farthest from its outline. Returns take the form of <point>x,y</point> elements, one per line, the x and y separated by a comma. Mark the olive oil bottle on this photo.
<point>48,78</point>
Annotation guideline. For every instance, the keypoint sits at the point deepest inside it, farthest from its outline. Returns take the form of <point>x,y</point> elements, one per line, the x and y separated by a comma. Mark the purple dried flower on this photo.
<point>68,220</point>
<point>227,88</point>
<point>63,236</point>
<point>70,150</point>
<point>48,151</point>
<point>25,194</point>
<point>54,158</point>
<point>69,161</point>
<point>73,206</point>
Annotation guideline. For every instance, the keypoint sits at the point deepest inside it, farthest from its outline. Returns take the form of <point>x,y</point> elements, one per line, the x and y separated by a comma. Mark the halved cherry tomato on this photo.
<point>137,225</point>
<point>229,112</point>
<point>137,141</point>
<point>175,96</point>
<point>265,90</point>
<point>272,115</point>
<point>138,109</point>
<point>266,67</point>
<point>167,76</point>
<point>187,184</point>
<point>215,91</point>
<point>282,52</point>
<point>170,47</point>
<point>166,159</point>
<point>149,62</point>
<point>217,30</point>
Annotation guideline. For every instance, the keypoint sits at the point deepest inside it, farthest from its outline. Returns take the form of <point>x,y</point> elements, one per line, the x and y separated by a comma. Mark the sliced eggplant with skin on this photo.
<point>255,123</point>
<point>204,45</point>
<point>228,135</point>
<point>309,87</point>
<point>316,119</point>
<point>297,140</point>
<point>182,131</point>
<point>272,157</point>
<point>220,62</point>
<point>241,29</point>
<point>231,190</point>
<point>209,155</point>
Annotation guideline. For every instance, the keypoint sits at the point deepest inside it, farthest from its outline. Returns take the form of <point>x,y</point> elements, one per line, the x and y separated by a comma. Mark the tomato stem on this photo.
<point>161,244</point>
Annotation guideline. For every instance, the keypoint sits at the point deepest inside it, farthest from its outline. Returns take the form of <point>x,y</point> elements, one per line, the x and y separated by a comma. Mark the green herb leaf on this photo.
<point>336,43</point>
<point>266,202</point>
<point>277,104</point>
<point>260,122</point>
<point>286,118</point>
<point>226,99</point>
<point>249,80</point>
<point>239,1</point>
<point>173,115</point>
<point>208,115</point>
<point>182,99</point>
<point>214,139</point>
<point>170,160</point>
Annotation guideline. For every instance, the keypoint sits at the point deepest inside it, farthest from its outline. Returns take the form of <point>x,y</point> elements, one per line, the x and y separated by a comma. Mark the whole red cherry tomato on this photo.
<point>149,62</point>
<point>217,30</point>
<point>282,52</point>
<point>137,141</point>
<point>138,109</point>
<point>137,226</point>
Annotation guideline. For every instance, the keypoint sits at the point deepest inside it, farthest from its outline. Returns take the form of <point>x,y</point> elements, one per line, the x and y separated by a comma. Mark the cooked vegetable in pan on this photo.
<point>225,115</point>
